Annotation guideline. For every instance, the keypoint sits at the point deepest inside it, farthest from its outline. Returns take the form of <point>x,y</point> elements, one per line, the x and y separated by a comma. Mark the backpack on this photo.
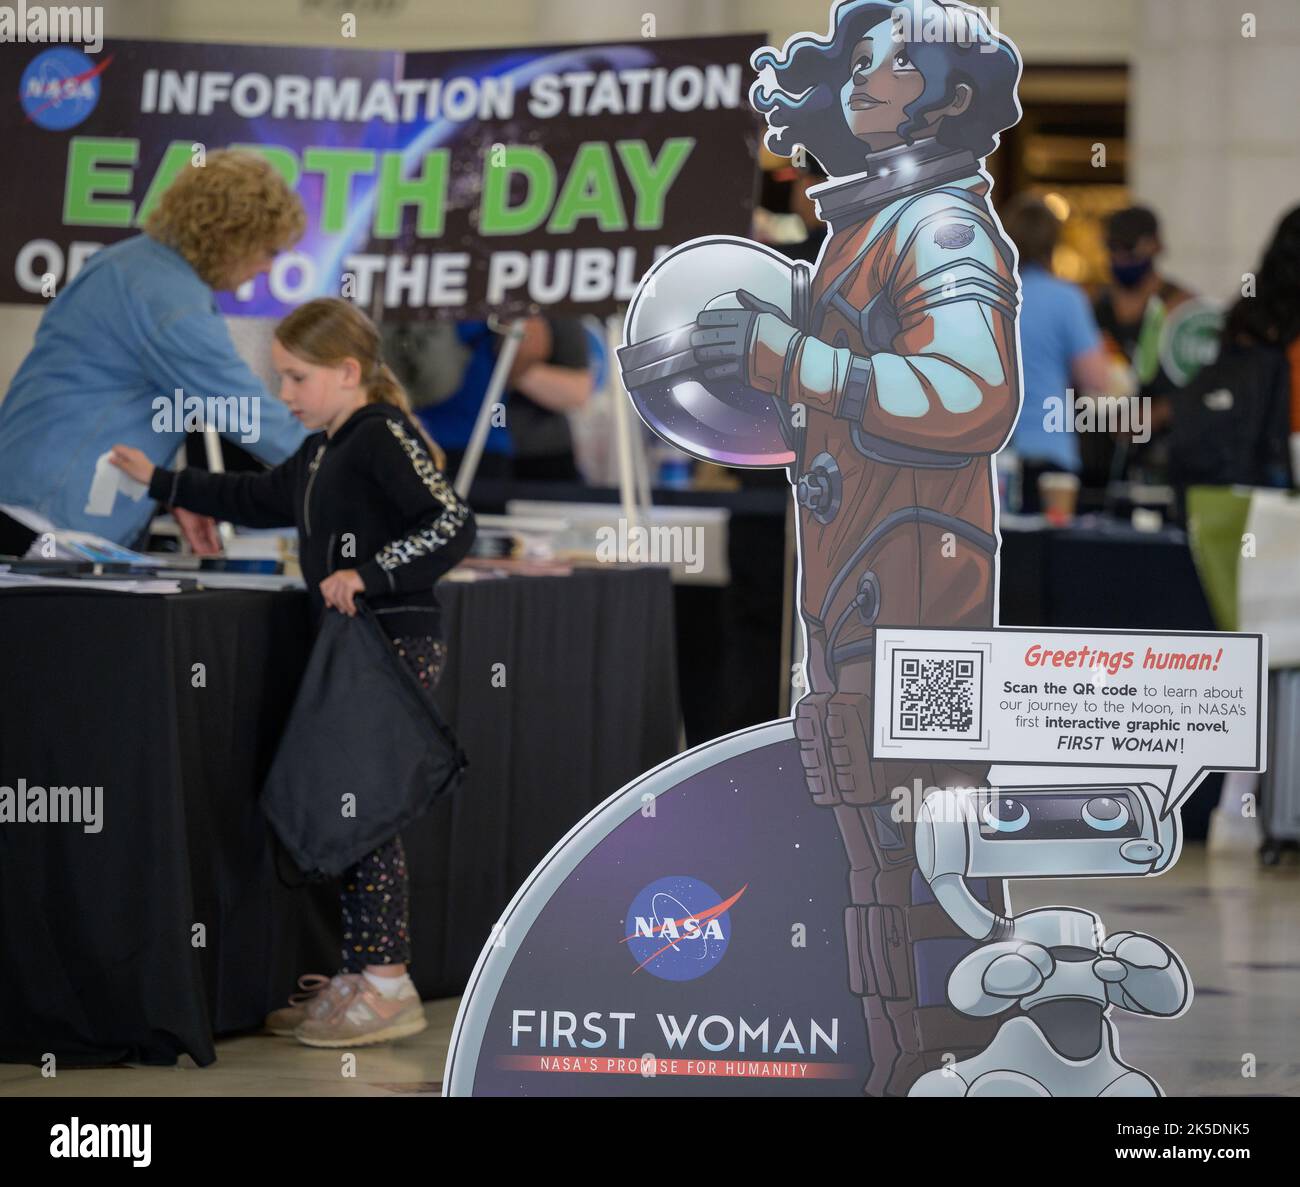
<point>1231,423</point>
<point>362,724</point>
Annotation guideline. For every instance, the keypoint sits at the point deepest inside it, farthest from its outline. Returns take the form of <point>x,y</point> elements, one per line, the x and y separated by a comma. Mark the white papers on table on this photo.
<point>142,585</point>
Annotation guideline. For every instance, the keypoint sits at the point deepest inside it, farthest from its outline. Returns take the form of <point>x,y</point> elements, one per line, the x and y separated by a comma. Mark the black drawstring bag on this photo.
<point>361,724</point>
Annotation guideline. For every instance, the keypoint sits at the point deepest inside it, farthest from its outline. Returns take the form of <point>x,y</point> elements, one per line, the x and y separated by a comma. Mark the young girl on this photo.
<point>363,486</point>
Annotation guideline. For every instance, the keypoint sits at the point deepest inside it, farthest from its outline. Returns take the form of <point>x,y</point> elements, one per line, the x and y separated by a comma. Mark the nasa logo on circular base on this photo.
<point>59,88</point>
<point>678,928</point>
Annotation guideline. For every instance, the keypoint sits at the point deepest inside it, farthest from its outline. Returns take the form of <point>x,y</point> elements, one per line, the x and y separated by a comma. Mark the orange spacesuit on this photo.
<point>908,380</point>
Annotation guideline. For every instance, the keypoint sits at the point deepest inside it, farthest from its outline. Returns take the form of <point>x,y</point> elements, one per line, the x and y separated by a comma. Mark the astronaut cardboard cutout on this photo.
<point>884,379</point>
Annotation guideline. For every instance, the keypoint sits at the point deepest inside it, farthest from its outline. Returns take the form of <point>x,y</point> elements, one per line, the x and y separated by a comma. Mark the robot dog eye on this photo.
<point>1005,815</point>
<point>1102,817</point>
<point>1105,814</point>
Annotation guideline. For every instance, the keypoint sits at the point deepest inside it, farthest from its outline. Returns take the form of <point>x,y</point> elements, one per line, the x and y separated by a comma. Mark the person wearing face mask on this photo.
<point>1131,313</point>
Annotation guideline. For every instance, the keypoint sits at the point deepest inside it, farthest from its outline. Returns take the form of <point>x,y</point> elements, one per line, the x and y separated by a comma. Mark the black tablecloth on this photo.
<point>138,942</point>
<point>1108,578</point>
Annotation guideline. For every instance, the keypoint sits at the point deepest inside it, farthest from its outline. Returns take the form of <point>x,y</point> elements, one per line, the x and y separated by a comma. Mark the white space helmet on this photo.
<point>717,420</point>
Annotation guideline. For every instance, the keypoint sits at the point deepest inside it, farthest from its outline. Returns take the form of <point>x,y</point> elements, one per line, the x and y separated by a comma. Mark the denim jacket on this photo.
<point>134,325</point>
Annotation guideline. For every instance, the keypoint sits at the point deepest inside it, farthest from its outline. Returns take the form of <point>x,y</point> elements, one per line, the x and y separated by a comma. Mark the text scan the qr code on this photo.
<point>937,694</point>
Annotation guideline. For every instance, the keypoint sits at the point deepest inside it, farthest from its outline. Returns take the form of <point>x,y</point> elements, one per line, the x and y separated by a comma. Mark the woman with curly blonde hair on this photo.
<point>138,322</point>
<point>228,219</point>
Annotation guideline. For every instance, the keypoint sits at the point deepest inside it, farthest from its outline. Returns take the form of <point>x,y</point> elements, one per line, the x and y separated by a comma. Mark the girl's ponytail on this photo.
<point>385,388</point>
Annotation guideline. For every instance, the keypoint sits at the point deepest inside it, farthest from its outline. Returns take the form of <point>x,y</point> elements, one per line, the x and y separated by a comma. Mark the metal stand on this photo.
<point>216,465</point>
<point>628,449</point>
<point>496,385</point>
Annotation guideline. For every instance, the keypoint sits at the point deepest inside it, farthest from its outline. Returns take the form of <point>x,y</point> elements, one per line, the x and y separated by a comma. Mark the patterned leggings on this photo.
<point>376,892</point>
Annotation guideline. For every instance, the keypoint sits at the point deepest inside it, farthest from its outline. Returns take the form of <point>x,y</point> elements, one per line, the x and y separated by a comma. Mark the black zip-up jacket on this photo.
<point>369,498</point>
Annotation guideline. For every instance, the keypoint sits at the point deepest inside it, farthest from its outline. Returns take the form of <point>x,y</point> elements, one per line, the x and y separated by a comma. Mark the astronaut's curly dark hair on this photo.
<point>804,108</point>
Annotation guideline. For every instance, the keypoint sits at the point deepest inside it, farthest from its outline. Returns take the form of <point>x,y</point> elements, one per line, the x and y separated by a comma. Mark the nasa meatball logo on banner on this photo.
<point>60,88</point>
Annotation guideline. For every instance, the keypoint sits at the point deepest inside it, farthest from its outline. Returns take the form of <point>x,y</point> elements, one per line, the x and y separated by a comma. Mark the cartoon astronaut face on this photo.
<point>882,82</point>
<point>882,85</point>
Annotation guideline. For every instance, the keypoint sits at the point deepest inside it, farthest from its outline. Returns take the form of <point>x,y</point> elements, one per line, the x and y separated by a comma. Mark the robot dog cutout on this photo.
<point>884,379</point>
<point>1055,963</point>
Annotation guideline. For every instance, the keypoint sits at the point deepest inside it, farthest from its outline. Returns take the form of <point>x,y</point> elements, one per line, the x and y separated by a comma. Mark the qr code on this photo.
<point>937,694</point>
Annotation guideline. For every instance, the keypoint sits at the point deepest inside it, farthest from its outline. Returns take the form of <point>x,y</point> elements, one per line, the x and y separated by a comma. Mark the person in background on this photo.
<point>368,475</point>
<point>1258,370</point>
<point>554,378</point>
<point>1235,421</point>
<point>446,367</point>
<point>1272,316</point>
<point>549,370</point>
<point>137,322</point>
<point>1060,348</point>
<point>1131,312</point>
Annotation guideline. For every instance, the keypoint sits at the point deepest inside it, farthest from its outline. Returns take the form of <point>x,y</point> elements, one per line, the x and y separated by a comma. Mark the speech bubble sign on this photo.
<point>1180,702</point>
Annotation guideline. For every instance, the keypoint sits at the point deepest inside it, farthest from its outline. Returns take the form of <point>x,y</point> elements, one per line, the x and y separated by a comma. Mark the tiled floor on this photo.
<point>1237,927</point>
<point>262,1065</point>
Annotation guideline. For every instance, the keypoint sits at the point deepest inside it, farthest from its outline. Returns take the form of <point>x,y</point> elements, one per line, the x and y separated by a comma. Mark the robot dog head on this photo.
<point>1046,832</point>
<point>717,420</point>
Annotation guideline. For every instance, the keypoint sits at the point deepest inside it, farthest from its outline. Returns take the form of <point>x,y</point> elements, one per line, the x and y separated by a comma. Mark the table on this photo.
<point>1098,575</point>
<point>141,941</point>
<point>728,637</point>
<point>1105,576</point>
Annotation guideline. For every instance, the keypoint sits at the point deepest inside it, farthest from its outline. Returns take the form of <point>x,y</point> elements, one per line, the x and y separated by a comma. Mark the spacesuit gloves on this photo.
<point>750,344</point>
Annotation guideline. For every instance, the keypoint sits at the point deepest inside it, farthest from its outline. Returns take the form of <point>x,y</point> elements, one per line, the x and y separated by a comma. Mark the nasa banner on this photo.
<point>444,184</point>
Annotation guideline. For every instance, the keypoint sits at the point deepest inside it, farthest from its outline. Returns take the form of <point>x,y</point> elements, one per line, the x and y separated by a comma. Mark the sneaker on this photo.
<point>312,988</point>
<point>362,1016</point>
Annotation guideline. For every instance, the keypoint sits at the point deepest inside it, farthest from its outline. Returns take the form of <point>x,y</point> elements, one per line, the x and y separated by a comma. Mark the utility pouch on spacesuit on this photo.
<point>940,1029</point>
<point>809,729</point>
<point>832,731</point>
<point>878,952</point>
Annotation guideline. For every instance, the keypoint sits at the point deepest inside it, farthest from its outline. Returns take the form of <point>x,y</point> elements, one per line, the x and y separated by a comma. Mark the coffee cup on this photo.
<point>1058,493</point>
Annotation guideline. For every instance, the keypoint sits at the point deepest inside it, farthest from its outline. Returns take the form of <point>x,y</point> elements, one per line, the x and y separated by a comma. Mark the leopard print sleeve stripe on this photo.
<point>430,537</point>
